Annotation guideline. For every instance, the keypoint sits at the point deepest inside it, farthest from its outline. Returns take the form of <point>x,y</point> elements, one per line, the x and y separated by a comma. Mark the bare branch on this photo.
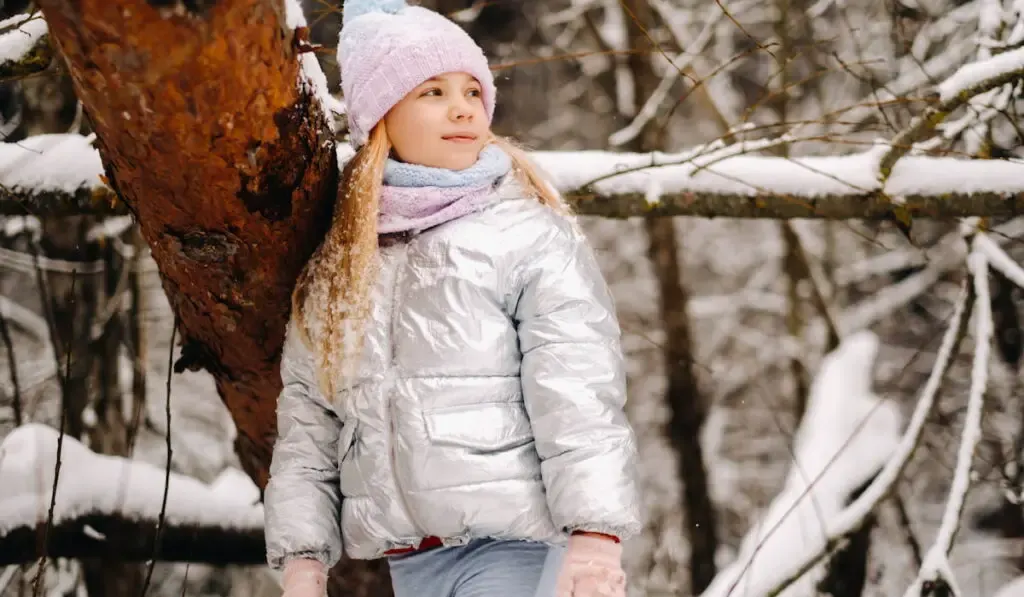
<point>872,206</point>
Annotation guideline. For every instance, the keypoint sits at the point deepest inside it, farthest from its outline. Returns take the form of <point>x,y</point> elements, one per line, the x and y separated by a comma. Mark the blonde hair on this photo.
<point>331,301</point>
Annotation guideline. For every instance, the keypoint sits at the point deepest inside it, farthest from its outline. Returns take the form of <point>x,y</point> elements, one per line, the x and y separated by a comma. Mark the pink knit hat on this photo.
<point>387,48</point>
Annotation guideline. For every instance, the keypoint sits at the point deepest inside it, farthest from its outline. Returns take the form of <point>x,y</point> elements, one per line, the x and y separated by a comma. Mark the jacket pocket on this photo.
<point>480,428</point>
<point>352,482</point>
<point>347,439</point>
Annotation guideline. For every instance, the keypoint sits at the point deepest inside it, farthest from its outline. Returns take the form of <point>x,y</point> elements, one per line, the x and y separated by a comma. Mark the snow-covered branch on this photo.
<point>969,81</point>
<point>935,570</point>
<point>847,435</point>
<point>837,526</point>
<point>24,46</point>
<point>747,186</point>
<point>107,504</point>
<point>54,175</point>
<point>63,175</point>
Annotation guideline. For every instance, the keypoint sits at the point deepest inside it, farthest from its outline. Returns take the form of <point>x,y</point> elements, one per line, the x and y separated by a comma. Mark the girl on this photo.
<point>453,380</point>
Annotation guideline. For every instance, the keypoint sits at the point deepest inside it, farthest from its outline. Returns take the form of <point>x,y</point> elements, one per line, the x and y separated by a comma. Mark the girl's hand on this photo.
<point>304,578</point>
<point>592,567</point>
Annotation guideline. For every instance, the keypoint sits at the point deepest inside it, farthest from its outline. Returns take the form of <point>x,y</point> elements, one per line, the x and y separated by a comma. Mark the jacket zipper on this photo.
<point>392,377</point>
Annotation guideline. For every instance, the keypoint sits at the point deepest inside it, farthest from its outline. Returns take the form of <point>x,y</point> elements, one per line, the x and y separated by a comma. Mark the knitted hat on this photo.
<point>387,49</point>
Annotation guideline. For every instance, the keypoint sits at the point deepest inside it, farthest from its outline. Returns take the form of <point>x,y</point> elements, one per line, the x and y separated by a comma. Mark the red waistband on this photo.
<point>426,543</point>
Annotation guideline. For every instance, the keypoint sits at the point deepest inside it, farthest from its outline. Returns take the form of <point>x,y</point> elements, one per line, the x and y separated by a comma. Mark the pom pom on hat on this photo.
<point>357,8</point>
<point>387,48</point>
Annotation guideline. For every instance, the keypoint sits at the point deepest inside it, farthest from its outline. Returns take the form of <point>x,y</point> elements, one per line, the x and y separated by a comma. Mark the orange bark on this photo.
<point>227,164</point>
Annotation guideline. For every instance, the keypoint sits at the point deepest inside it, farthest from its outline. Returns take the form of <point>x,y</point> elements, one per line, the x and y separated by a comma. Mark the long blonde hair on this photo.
<point>331,300</point>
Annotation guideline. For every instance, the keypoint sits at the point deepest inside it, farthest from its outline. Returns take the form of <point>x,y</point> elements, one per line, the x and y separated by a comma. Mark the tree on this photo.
<point>216,140</point>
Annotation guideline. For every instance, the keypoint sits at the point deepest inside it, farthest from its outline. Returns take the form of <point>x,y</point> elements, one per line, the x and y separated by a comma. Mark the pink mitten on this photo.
<point>592,568</point>
<point>304,577</point>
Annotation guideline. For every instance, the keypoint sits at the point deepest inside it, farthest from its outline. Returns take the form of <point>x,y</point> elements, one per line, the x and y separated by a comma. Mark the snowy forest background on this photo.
<point>727,321</point>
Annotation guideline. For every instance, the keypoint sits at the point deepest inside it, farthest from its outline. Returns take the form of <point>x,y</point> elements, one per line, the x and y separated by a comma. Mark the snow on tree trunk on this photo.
<point>227,163</point>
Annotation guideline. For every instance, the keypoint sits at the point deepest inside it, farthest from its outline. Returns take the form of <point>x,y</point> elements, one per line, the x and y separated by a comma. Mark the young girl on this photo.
<point>453,379</point>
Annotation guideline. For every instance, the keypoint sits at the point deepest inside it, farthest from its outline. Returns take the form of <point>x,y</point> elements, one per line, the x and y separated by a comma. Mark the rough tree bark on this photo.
<point>228,165</point>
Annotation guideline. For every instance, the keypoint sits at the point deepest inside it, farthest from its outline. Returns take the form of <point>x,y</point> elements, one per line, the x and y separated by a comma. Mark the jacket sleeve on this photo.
<point>574,386</point>
<point>302,501</point>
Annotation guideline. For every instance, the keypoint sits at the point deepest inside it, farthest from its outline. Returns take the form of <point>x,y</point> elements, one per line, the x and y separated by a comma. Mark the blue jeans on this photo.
<point>481,568</point>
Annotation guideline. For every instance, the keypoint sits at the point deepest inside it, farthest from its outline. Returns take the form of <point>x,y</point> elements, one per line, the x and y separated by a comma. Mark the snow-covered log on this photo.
<point>108,505</point>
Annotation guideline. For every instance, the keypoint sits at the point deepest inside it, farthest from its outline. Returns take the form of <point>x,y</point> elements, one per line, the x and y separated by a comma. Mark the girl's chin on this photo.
<point>459,160</point>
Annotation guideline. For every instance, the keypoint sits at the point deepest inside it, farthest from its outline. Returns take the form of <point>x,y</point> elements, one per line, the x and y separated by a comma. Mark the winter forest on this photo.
<point>809,212</point>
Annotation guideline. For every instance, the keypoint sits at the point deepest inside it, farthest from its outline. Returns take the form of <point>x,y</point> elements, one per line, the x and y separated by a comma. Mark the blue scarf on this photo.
<point>492,164</point>
<point>416,197</point>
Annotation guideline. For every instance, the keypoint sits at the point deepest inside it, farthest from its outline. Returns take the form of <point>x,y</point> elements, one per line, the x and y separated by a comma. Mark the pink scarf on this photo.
<point>414,197</point>
<point>412,209</point>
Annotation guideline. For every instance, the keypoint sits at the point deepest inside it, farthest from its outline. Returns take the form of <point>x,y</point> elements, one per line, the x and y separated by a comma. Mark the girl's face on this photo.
<point>442,123</point>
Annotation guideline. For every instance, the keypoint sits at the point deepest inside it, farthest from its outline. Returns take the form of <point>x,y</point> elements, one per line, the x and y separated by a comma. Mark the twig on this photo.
<point>167,469</point>
<point>137,338</point>
<point>926,122</point>
<point>904,518</point>
<point>40,571</point>
<point>51,323</point>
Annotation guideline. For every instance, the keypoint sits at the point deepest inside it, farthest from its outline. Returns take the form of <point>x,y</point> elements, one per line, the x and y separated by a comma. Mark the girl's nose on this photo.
<point>459,110</point>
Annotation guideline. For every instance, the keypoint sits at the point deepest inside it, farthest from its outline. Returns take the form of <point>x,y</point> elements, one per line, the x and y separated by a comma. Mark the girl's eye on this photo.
<point>475,93</point>
<point>432,92</point>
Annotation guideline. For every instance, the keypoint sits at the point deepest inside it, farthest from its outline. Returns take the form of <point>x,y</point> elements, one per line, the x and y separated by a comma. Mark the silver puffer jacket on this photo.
<point>489,401</point>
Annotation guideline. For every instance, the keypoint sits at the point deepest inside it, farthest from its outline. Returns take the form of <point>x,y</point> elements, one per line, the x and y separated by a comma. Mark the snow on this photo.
<point>722,171</point>
<point>312,76</point>
<point>21,32</point>
<point>846,437</point>
<point>51,163</point>
<point>936,561</point>
<point>92,483</point>
<point>69,162</point>
<point>998,258</point>
<point>974,73</point>
<point>789,563</point>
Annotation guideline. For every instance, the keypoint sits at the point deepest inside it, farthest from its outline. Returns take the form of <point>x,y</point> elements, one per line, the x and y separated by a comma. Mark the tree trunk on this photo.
<point>228,165</point>
<point>686,404</point>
